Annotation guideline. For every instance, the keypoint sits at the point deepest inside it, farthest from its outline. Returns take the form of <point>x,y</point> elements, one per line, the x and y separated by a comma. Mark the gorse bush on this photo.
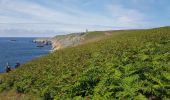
<point>133,64</point>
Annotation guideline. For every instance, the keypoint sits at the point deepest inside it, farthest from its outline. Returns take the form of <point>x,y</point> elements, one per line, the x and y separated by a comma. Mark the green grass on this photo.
<point>95,34</point>
<point>61,37</point>
<point>133,64</point>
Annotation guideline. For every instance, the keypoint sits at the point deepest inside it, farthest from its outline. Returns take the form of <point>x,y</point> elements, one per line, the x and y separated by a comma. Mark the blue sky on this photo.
<point>39,17</point>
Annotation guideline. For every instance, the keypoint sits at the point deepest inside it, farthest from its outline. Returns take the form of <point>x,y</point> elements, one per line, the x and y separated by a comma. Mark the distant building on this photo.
<point>87,31</point>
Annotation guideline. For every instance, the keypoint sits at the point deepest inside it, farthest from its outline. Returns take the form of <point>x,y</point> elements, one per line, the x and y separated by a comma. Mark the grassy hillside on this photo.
<point>133,64</point>
<point>74,39</point>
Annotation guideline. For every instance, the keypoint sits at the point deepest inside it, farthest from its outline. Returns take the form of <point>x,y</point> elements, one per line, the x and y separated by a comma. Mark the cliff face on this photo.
<point>69,40</point>
<point>63,41</point>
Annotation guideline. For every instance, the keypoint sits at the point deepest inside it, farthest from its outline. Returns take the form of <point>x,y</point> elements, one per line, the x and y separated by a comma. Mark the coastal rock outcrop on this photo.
<point>63,41</point>
<point>45,41</point>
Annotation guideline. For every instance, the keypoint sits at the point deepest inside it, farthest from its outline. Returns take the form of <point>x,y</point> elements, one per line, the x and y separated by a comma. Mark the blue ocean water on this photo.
<point>22,50</point>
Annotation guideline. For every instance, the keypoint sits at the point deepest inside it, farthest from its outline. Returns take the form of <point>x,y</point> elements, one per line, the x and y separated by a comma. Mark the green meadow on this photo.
<point>115,65</point>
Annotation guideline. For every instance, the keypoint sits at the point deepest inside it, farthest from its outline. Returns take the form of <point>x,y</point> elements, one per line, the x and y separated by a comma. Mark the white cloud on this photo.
<point>69,19</point>
<point>43,14</point>
<point>125,16</point>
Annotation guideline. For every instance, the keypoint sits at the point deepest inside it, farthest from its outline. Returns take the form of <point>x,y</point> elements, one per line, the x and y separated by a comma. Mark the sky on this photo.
<point>25,18</point>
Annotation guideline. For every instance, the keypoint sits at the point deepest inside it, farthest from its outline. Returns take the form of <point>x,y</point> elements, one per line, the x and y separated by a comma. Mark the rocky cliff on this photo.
<point>63,41</point>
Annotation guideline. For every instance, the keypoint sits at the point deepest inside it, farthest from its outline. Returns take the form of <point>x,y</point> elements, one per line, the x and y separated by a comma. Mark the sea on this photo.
<point>17,49</point>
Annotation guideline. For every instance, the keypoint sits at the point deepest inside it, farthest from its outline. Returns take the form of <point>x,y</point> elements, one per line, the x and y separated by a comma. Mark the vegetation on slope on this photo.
<point>74,39</point>
<point>133,64</point>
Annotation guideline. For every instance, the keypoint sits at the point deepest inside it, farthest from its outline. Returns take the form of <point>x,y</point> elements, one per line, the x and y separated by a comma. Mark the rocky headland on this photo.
<point>62,41</point>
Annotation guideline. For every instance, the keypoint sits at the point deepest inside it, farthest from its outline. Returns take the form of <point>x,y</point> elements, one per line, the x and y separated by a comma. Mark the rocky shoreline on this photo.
<point>61,41</point>
<point>45,41</point>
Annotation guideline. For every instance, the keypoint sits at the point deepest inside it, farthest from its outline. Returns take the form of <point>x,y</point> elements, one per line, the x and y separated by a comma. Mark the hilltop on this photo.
<point>124,64</point>
<point>69,40</point>
<point>74,39</point>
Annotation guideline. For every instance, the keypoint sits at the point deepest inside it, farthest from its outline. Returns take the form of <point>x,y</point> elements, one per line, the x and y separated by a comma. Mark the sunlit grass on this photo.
<point>124,65</point>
